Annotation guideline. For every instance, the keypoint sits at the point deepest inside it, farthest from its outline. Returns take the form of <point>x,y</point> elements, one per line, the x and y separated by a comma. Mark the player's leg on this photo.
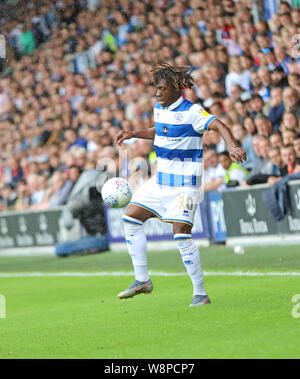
<point>145,204</point>
<point>191,258</point>
<point>133,220</point>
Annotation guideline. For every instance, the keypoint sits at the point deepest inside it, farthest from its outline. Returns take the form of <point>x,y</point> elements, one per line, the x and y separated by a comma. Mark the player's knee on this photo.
<point>136,213</point>
<point>181,228</point>
<point>131,213</point>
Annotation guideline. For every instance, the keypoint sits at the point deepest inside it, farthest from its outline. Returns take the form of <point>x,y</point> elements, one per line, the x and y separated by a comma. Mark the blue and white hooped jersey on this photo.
<point>178,143</point>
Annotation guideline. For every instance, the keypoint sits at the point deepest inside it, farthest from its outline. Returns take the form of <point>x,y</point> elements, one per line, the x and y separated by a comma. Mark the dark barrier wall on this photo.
<point>238,213</point>
<point>247,215</point>
<point>46,228</point>
<point>293,217</point>
<point>28,229</point>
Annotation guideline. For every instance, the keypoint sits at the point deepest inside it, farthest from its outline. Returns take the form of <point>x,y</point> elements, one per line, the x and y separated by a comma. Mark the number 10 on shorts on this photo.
<point>186,203</point>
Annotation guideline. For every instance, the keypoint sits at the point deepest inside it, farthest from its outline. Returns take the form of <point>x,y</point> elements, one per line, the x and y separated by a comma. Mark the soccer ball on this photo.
<point>239,250</point>
<point>116,193</point>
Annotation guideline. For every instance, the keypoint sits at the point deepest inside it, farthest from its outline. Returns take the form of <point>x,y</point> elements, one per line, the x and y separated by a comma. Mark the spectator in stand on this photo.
<point>263,41</point>
<point>80,156</point>
<point>276,140</point>
<point>270,60</point>
<point>279,79</point>
<point>289,121</point>
<point>293,80</point>
<point>217,109</point>
<point>277,108</point>
<point>266,81</point>
<point>295,14</point>
<point>15,173</point>
<point>73,140</point>
<point>263,126</point>
<point>241,110</point>
<point>58,192</point>
<point>206,96</point>
<point>250,127</point>
<point>288,137</point>
<point>257,106</point>
<point>284,7</point>
<point>237,76</point>
<point>290,161</point>
<point>8,197</point>
<point>27,40</point>
<point>217,74</point>
<point>255,83</point>
<point>55,163</point>
<point>283,58</point>
<point>74,174</point>
<point>210,38</point>
<point>37,189</point>
<point>236,92</point>
<point>262,169</point>
<point>291,100</point>
<point>214,173</point>
<point>274,156</point>
<point>23,196</point>
<point>234,174</point>
<point>296,144</point>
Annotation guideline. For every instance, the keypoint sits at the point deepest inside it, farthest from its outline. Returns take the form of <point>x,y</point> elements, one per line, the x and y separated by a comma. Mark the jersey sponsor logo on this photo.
<point>170,139</point>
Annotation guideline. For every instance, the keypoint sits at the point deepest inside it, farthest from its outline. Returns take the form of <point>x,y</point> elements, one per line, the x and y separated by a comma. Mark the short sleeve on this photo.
<point>200,118</point>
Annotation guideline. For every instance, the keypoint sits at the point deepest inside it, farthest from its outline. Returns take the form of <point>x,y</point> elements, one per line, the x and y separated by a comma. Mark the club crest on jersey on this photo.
<point>165,130</point>
<point>178,116</point>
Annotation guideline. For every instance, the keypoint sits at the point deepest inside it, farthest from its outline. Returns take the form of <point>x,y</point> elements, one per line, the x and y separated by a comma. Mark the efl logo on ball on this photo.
<point>116,193</point>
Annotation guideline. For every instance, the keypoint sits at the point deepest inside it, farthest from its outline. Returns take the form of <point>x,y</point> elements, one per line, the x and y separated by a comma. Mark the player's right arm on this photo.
<point>144,134</point>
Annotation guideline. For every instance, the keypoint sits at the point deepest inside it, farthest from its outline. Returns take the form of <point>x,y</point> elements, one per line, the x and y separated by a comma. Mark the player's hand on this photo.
<point>122,135</point>
<point>237,154</point>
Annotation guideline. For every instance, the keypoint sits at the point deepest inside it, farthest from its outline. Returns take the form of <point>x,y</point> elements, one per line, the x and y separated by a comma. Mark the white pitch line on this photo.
<point>120,273</point>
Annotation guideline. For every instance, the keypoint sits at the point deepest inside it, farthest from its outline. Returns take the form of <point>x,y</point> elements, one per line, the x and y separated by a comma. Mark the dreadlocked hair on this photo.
<point>178,77</point>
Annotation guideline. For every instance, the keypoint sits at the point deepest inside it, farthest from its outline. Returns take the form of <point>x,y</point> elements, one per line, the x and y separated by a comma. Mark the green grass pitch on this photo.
<point>81,317</point>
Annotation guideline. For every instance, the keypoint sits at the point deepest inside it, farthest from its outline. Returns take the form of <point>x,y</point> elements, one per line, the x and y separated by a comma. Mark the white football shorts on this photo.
<point>169,204</point>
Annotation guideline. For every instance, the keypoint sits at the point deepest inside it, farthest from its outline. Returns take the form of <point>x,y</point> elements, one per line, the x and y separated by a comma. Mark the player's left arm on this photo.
<point>237,154</point>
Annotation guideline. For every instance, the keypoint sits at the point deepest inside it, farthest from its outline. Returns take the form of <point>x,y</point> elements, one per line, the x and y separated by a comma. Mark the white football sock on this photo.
<point>137,247</point>
<point>191,259</point>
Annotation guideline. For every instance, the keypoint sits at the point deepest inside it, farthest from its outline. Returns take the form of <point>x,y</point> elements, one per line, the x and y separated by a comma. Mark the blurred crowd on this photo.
<point>76,72</point>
